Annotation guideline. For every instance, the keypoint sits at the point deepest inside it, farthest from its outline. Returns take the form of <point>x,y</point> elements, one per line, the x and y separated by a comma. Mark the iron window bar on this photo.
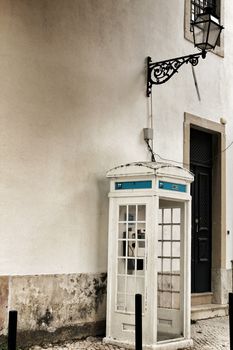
<point>198,6</point>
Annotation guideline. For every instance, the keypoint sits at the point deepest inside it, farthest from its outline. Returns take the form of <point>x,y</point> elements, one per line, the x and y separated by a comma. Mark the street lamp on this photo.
<point>206,31</point>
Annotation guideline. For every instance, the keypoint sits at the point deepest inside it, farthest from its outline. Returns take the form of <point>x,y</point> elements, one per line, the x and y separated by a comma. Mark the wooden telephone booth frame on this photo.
<point>149,253</point>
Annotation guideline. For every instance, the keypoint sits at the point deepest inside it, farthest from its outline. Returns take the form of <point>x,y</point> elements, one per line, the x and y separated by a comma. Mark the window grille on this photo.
<point>197,7</point>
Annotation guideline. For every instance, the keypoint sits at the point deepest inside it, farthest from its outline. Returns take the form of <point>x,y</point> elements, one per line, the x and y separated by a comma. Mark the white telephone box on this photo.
<point>149,252</point>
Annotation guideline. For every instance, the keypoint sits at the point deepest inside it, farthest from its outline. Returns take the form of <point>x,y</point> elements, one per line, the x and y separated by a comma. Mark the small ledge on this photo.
<point>201,312</point>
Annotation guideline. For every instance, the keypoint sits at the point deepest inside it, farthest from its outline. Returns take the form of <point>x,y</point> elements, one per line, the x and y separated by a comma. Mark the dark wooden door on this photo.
<point>201,166</point>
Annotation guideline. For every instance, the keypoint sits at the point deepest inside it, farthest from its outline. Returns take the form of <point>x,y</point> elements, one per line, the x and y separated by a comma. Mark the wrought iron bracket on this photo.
<point>160,72</point>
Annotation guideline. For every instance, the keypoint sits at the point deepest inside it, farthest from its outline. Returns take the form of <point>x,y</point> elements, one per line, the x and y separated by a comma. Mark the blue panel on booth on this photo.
<point>131,185</point>
<point>172,186</point>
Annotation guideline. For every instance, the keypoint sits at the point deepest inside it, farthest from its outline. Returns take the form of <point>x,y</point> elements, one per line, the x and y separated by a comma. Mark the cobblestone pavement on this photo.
<point>211,334</point>
<point>207,335</point>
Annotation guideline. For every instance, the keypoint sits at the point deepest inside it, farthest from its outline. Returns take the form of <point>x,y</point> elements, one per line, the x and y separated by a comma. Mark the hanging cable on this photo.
<point>148,132</point>
<point>151,125</point>
<point>151,146</point>
<point>151,151</point>
<point>188,164</point>
<point>228,147</point>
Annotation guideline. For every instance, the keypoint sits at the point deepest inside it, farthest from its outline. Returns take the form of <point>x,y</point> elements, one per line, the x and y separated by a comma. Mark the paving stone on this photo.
<point>212,334</point>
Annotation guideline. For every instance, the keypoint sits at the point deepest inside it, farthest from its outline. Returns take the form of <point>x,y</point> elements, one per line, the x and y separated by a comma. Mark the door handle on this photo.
<point>196,225</point>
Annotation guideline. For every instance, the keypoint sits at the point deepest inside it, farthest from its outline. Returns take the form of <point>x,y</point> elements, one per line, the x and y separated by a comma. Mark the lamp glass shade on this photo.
<point>206,31</point>
<point>214,32</point>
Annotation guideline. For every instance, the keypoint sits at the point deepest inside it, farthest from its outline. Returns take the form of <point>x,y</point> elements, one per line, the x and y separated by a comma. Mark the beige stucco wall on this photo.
<point>73,105</point>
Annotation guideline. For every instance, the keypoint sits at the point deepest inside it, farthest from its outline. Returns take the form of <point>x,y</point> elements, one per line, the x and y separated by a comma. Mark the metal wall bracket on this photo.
<point>160,72</point>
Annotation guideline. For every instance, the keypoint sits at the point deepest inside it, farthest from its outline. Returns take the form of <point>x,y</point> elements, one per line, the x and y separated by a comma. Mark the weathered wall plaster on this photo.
<point>220,286</point>
<point>229,281</point>
<point>52,307</point>
<point>4,290</point>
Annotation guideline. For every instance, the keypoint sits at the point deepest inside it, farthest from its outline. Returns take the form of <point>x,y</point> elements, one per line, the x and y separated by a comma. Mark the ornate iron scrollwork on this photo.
<point>160,72</point>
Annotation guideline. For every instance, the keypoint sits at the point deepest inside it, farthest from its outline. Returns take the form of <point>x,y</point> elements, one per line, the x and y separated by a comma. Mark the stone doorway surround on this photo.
<point>218,272</point>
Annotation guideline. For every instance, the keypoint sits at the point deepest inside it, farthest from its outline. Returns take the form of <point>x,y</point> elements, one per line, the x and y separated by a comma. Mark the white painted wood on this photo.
<point>158,322</point>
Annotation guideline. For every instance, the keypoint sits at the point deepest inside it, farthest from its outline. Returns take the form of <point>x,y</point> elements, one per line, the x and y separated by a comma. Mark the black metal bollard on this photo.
<point>12,330</point>
<point>138,321</point>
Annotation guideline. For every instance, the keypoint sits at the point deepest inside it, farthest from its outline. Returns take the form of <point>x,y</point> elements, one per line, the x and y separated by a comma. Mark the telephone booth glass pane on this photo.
<point>131,245</point>
<point>170,274</point>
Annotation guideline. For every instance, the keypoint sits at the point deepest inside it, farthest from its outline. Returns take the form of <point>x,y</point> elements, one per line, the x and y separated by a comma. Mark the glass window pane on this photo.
<point>176,232</point>
<point>176,249</point>
<point>141,212</point>
<point>140,249</point>
<point>140,264</point>
<point>166,265</point>
<point>167,282</point>
<point>175,265</point>
<point>132,213</point>
<point>141,231</point>
<point>121,266</point>
<point>167,232</point>
<point>175,300</point>
<point>176,215</point>
<point>131,231</point>
<point>122,248</point>
<point>130,266</point>
<point>165,299</point>
<point>131,248</point>
<point>176,283</point>
<point>122,231</point>
<point>167,215</point>
<point>213,34</point>
<point>167,249</point>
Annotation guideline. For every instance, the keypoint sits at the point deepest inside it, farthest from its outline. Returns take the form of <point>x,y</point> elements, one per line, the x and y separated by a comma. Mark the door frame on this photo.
<point>218,260</point>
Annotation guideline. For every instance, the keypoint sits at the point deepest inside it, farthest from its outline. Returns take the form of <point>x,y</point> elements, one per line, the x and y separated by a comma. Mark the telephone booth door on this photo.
<point>170,274</point>
<point>129,275</point>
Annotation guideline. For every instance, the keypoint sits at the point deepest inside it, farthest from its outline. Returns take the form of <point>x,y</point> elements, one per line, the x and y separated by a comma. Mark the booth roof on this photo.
<point>150,168</point>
